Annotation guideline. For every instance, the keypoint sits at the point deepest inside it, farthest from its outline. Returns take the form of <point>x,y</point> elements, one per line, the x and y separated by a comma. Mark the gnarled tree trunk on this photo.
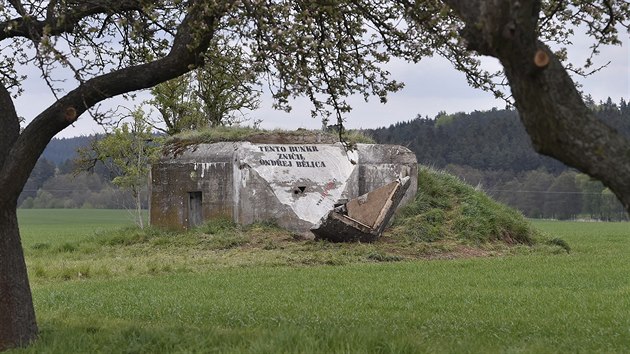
<point>19,152</point>
<point>550,107</point>
<point>17,317</point>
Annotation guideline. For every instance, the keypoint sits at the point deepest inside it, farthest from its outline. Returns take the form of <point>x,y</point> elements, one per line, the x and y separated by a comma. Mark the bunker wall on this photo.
<point>292,184</point>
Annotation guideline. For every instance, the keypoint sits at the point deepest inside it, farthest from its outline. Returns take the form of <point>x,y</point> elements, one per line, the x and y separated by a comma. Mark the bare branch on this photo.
<point>186,53</point>
<point>33,29</point>
<point>17,5</point>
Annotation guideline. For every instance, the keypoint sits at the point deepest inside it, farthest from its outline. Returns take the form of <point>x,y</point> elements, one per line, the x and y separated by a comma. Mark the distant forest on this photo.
<point>492,151</point>
<point>487,149</point>
<point>56,183</point>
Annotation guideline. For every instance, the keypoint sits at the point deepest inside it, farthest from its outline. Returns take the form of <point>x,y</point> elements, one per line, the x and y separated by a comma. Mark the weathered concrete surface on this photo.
<point>381,164</point>
<point>367,208</point>
<point>205,169</point>
<point>309,179</point>
<point>337,227</point>
<point>364,218</point>
<point>294,184</point>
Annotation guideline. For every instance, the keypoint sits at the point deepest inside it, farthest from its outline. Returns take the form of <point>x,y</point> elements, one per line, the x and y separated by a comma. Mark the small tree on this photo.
<point>176,104</point>
<point>225,86</point>
<point>214,94</point>
<point>128,152</point>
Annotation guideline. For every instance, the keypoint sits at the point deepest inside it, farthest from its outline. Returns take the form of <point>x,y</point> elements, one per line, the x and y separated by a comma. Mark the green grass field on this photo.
<point>154,295</point>
<point>67,225</point>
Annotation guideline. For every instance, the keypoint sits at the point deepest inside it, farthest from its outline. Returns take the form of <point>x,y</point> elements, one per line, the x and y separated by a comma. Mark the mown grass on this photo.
<point>131,251</point>
<point>469,225</point>
<point>259,289</point>
<point>529,302</point>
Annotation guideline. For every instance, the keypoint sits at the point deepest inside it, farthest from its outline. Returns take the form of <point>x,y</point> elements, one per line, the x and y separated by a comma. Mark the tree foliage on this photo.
<point>218,93</point>
<point>128,152</point>
<point>88,51</point>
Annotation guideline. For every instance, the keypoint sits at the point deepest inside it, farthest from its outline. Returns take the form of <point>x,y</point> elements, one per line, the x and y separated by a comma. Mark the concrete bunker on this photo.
<point>295,184</point>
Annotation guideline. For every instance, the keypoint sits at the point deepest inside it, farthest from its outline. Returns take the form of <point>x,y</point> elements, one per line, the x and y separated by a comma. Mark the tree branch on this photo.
<point>561,126</point>
<point>33,29</point>
<point>17,5</point>
<point>551,109</point>
<point>186,53</point>
<point>9,121</point>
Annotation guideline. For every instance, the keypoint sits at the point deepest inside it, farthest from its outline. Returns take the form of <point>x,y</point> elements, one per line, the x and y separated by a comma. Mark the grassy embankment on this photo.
<point>224,289</point>
<point>447,220</point>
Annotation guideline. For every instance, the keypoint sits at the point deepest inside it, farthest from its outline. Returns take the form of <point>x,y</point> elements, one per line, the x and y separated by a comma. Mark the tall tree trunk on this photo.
<point>19,152</point>
<point>551,108</point>
<point>17,316</point>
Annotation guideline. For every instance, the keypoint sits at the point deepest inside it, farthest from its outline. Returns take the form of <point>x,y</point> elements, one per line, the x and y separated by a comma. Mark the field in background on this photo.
<point>528,302</point>
<point>57,226</point>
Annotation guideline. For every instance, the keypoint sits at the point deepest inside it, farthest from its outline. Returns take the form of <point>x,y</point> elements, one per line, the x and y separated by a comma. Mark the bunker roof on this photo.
<point>181,142</point>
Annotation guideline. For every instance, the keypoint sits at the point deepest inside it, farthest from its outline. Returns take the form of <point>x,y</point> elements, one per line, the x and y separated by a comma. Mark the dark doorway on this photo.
<point>194,209</point>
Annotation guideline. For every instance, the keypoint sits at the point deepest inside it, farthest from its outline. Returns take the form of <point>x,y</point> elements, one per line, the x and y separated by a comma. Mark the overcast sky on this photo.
<point>431,86</point>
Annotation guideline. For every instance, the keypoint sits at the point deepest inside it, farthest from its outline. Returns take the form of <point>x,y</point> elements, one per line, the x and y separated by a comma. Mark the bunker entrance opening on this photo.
<point>195,217</point>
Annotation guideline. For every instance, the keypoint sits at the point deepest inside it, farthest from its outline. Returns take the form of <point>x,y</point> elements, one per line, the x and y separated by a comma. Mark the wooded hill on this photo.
<point>491,150</point>
<point>487,149</point>
<point>55,182</point>
<point>486,140</point>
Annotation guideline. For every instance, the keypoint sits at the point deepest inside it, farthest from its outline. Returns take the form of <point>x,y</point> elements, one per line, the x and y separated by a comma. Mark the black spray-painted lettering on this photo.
<point>320,164</point>
<point>280,163</point>
<point>291,157</point>
<point>303,149</point>
<point>295,157</point>
<point>267,148</point>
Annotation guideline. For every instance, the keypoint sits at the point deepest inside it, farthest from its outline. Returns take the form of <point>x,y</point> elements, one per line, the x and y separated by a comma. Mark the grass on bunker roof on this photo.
<point>262,136</point>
